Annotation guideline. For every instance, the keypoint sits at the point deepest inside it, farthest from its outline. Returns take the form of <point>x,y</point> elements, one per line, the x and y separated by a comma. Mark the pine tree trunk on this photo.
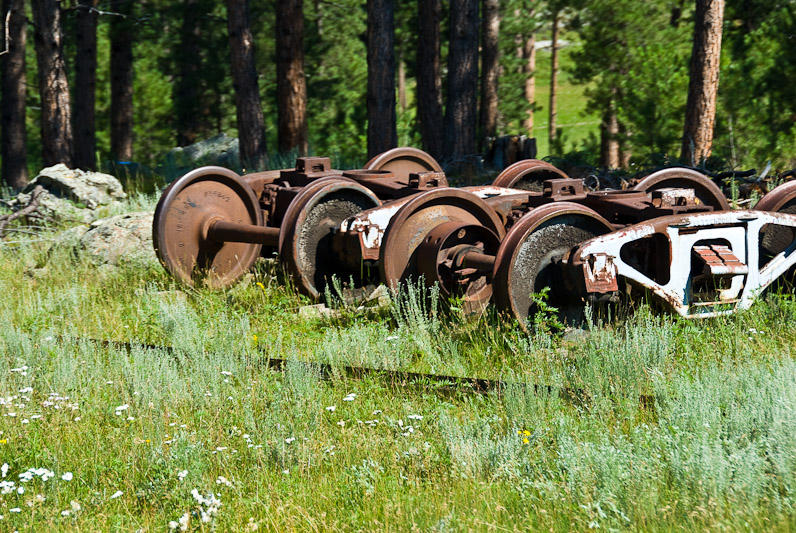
<point>291,86</point>
<point>461,110</point>
<point>703,86</point>
<point>121,70</point>
<point>83,125</point>
<point>429,82</point>
<point>56,123</point>
<point>251,125</point>
<point>382,133</point>
<point>529,53</point>
<point>609,137</point>
<point>13,81</point>
<point>490,31</point>
<point>551,125</point>
<point>402,84</point>
<point>187,86</point>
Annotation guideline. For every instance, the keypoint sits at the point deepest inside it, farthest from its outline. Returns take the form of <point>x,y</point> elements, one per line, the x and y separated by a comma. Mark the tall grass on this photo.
<point>647,422</point>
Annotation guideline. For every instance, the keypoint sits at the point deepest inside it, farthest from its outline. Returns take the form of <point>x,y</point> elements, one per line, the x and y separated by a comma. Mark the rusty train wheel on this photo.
<point>705,190</point>
<point>182,218</point>
<point>404,161</point>
<point>305,241</point>
<point>529,259</point>
<point>413,222</point>
<point>438,262</point>
<point>775,239</point>
<point>528,175</point>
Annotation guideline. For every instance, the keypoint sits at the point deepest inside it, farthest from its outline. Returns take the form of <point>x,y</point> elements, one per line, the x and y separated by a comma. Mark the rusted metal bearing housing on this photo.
<point>459,257</point>
<point>408,229</point>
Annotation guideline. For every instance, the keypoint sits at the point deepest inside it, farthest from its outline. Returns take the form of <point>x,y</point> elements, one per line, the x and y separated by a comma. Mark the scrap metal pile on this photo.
<point>673,233</point>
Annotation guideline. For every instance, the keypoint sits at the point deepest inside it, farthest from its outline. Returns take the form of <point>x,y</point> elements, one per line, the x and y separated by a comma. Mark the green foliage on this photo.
<point>632,54</point>
<point>634,59</point>
<point>756,120</point>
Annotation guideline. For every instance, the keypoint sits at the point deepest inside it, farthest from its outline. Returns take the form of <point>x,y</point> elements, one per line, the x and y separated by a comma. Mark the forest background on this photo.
<point>133,79</point>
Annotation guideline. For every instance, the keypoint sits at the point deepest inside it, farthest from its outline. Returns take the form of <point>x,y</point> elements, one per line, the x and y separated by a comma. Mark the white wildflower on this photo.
<point>331,408</point>
<point>67,476</point>
<point>116,494</point>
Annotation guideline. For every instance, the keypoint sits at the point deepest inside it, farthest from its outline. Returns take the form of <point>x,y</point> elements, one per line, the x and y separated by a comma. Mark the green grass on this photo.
<point>572,118</point>
<point>715,449</point>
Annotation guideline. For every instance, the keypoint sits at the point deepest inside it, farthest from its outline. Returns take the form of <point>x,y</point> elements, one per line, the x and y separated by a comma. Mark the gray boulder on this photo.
<point>117,240</point>
<point>71,194</point>
<point>221,150</point>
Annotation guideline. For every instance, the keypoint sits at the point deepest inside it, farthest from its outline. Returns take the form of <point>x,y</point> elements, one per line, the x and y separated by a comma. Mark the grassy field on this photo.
<point>206,437</point>
<point>572,118</point>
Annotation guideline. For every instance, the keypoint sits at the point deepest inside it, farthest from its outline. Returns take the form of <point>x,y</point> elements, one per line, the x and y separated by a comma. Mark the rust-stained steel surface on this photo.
<point>533,228</point>
<point>731,283</point>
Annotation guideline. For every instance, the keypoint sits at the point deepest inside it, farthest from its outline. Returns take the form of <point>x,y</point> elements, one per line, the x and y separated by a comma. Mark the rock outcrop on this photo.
<point>71,194</point>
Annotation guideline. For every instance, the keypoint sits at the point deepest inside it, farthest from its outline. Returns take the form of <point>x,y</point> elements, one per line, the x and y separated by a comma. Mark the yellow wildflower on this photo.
<point>526,433</point>
<point>254,337</point>
<point>3,441</point>
<point>525,440</point>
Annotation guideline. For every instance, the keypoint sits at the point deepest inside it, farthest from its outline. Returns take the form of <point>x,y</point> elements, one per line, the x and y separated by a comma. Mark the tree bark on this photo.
<point>121,70</point>
<point>13,82</point>
<point>251,125</point>
<point>382,134</point>
<point>56,123</point>
<point>609,140</point>
<point>461,110</point>
<point>551,125</point>
<point>529,53</point>
<point>429,82</point>
<point>83,125</point>
<point>490,31</point>
<point>703,86</point>
<point>291,86</point>
<point>624,149</point>
<point>402,84</point>
<point>187,86</point>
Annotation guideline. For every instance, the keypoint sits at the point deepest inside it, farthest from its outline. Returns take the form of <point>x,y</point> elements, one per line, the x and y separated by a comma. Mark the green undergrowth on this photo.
<point>644,422</point>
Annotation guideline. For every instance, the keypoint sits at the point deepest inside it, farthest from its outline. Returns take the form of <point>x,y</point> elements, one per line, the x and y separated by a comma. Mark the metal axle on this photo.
<point>476,260</point>
<point>222,231</point>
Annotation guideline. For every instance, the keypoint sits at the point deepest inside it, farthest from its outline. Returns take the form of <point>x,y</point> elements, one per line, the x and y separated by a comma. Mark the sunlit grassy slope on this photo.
<point>676,425</point>
<point>575,122</point>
